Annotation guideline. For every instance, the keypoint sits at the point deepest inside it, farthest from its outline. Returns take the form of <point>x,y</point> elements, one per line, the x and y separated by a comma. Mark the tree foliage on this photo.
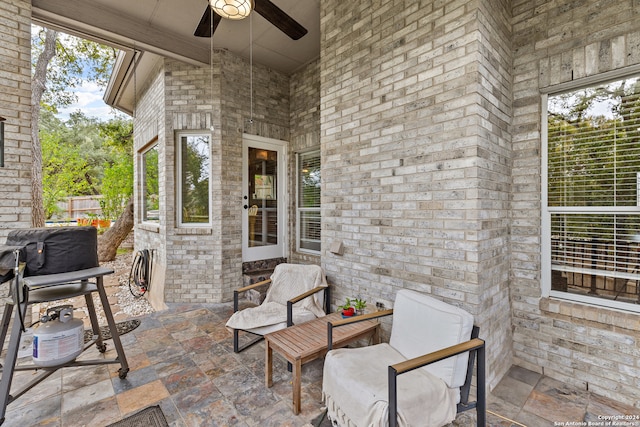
<point>82,155</point>
<point>195,179</point>
<point>76,61</point>
<point>117,183</point>
<point>64,165</point>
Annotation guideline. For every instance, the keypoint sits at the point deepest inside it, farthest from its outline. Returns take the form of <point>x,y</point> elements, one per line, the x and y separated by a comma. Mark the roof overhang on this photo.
<point>147,30</point>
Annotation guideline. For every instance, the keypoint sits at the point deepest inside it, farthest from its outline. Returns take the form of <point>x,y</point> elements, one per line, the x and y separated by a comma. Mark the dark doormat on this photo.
<point>122,327</point>
<point>148,417</point>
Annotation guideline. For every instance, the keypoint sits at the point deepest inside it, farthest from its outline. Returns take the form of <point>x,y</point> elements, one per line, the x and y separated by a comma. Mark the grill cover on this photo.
<point>56,249</point>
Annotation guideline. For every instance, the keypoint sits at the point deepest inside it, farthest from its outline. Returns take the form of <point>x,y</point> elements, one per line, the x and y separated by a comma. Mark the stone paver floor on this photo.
<point>182,359</point>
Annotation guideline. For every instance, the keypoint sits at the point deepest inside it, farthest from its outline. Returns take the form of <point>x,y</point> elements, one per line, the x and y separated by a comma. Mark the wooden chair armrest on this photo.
<point>254,285</point>
<point>300,298</point>
<point>436,356</point>
<point>353,319</point>
<point>306,294</point>
<point>246,288</point>
<point>475,344</point>
<point>360,318</point>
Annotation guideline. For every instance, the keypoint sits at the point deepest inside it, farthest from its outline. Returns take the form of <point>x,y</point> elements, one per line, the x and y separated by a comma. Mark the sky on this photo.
<point>89,101</point>
<point>89,96</point>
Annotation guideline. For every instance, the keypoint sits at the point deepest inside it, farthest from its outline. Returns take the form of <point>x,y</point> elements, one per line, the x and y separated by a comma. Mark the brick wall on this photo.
<point>415,106</point>
<point>305,136</point>
<point>193,253</point>
<point>148,130</point>
<point>204,264</point>
<point>494,160</point>
<point>15,107</point>
<point>270,120</point>
<point>582,345</point>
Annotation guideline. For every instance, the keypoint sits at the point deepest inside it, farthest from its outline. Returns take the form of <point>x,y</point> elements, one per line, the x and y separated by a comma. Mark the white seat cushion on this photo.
<point>267,317</point>
<point>422,325</point>
<point>300,315</point>
<point>355,390</point>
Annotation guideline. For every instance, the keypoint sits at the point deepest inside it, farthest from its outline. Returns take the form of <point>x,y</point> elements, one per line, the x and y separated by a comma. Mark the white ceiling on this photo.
<point>165,27</point>
<point>146,30</point>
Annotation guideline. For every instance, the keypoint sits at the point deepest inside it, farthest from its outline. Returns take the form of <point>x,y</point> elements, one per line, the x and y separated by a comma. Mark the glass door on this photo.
<point>263,201</point>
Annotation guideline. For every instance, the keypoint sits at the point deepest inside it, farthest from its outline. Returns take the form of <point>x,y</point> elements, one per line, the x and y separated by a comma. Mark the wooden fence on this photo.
<point>80,206</point>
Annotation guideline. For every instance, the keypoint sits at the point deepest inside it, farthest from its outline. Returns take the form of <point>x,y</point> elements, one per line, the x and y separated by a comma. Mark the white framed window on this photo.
<point>591,193</point>
<point>193,160</point>
<point>308,202</point>
<point>150,185</point>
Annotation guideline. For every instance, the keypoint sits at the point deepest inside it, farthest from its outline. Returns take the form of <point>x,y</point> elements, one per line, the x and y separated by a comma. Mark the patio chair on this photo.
<point>297,293</point>
<point>433,346</point>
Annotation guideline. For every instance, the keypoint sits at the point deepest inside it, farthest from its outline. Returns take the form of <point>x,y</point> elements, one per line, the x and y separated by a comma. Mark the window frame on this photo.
<point>547,211</point>
<point>300,210</point>
<point>143,182</point>
<point>178,167</point>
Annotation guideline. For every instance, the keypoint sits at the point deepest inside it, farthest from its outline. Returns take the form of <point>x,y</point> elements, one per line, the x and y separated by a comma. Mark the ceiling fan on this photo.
<point>268,10</point>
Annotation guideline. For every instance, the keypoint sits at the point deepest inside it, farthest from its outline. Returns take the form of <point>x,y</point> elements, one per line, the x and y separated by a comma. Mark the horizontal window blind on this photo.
<point>309,219</point>
<point>310,229</point>
<point>594,155</point>
<point>596,241</point>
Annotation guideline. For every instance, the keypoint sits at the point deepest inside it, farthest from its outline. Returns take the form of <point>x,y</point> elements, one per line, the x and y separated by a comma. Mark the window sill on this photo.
<point>199,231</point>
<point>154,228</point>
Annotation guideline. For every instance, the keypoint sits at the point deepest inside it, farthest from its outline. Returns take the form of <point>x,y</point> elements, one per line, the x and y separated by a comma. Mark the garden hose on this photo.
<point>140,274</point>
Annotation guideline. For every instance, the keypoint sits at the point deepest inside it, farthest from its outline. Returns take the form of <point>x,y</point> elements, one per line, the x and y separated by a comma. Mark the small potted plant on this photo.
<point>347,309</point>
<point>93,219</point>
<point>359,305</point>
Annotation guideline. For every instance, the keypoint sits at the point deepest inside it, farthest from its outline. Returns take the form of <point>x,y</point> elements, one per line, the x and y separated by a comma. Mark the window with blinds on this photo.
<point>593,203</point>
<point>308,206</point>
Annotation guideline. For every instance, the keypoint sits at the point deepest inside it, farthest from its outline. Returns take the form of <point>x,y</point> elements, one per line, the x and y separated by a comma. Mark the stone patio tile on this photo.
<point>90,393</point>
<point>140,397</point>
<point>556,402</point>
<point>44,413</point>
<point>524,375</point>
<point>513,391</point>
<point>100,413</point>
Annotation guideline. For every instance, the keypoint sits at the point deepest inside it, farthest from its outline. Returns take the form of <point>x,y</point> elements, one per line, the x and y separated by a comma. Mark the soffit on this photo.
<point>165,27</point>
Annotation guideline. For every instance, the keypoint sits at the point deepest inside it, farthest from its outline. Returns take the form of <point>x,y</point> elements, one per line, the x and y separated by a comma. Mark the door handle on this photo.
<point>246,206</point>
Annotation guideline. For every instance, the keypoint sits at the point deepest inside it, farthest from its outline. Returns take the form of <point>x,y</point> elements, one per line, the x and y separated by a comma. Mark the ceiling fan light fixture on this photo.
<point>232,9</point>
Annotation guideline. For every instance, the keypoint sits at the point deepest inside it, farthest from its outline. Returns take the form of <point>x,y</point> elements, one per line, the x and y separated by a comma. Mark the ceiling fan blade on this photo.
<point>280,19</point>
<point>204,26</point>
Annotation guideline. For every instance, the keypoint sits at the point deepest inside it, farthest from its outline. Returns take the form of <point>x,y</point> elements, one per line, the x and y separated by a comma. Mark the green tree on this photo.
<point>64,165</point>
<point>195,180</point>
<point>61,63</point>
<point>117,183</point>
<point>83,156</point>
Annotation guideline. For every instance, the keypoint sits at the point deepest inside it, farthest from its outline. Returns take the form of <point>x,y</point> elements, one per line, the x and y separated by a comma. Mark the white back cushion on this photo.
<point>422,324</point>
<point>290,280</point>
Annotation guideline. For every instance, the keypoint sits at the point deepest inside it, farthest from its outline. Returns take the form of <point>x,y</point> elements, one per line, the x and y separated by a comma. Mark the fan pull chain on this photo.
<point>251,65</point>
<point>135,84</point>
<point>212,128</point>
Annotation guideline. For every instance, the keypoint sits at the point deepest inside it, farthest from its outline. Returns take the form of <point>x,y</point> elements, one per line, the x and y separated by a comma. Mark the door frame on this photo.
<point>282,196</point>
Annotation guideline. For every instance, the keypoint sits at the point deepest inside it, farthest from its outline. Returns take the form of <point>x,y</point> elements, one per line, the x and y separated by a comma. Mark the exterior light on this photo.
<point>232,9</point>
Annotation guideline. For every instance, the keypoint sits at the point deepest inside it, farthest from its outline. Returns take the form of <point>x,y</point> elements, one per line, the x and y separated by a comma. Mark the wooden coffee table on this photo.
<point>303,343</point>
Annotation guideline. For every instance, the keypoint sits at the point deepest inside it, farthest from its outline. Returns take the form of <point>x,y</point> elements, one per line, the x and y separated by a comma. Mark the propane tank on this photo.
<point>59,338</point>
